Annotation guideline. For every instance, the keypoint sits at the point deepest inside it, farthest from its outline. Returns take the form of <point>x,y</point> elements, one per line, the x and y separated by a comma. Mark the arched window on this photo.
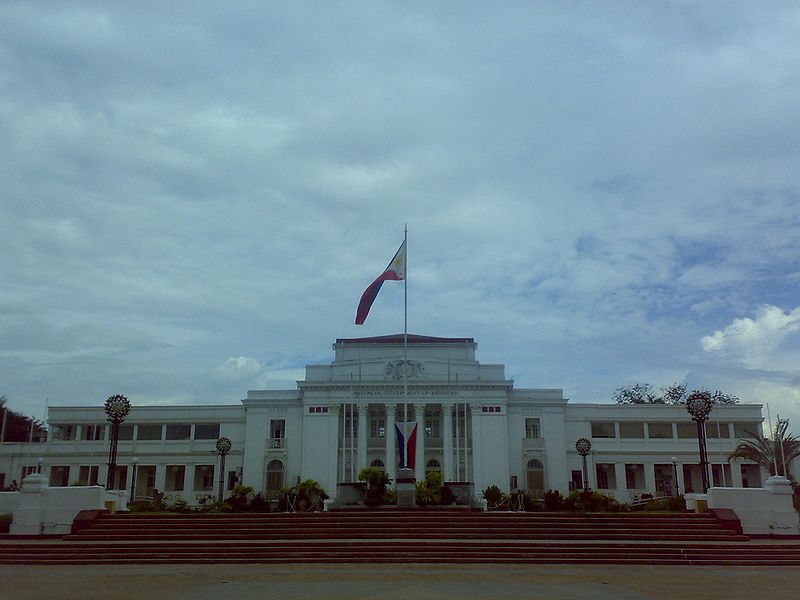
<point>377,463</point>
<point>535,475</point>
<point>432,465</point>
<point>275,472</point>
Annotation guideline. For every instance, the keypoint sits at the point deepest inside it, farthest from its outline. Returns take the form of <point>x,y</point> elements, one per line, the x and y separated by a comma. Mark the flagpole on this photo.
<point>405,342</point>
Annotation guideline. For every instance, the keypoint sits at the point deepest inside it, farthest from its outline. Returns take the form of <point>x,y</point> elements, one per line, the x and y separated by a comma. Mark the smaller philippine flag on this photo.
<point>407,444</point>
<point>396,271</point>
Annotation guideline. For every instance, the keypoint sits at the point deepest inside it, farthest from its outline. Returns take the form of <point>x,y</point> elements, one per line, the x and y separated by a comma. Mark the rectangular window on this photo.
<point>717,430</point>
<point>377,427</point>
<point>88,475</point>
<point>149,432</point>
<point>603,430</point>
<point>204,478</point>
<point>491,409</point>
<point>631,430</point>
<point>120,479</point>
<point>576,482</point>
<point>658,431</point>
<point>179,432</point>
<point>532,429</point>
<point>125,432</point>
<point>64,433</point>
<point>431,427</point>
<point>233,478</point>
<point>277,433</point>
<point>606,476</point>
<point>687,430</point>
<point>317,409</point>
<point>206,431</point>
<point>93,433</point>
<point>59,476</point>
<point>746,430</point>
<point>176,474</point>
<point>634,477</point>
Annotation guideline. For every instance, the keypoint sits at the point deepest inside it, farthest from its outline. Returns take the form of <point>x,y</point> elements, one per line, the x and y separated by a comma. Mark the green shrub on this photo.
<point>671,503</point>
<point>377,485</point>
<point>309,495</point>
<point>238,500</point>
<point>179,505</point>
<point>221,507</point>
<point>259,504</point>
<point>429,491</point>
<point>5,522</point>
<point>142,506</point>
<point>494,496</point>
<point>553,500</point>
<point>591,502</point>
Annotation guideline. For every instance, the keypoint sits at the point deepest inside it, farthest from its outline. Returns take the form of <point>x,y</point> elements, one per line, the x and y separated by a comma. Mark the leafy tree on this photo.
<point>781,450</point>
<point>640,393</point>
<point>644,393</point>
<point>17,427</point>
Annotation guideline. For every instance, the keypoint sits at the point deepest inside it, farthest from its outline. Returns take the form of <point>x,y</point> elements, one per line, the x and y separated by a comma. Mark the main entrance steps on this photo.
<point>394,536</point>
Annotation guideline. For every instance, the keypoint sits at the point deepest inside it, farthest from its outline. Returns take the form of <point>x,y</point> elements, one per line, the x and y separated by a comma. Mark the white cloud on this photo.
<point>241,368</point>
<point>759,343</point>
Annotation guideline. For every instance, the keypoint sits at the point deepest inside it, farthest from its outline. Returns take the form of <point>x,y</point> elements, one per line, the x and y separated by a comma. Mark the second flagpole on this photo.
<point>405,344</point>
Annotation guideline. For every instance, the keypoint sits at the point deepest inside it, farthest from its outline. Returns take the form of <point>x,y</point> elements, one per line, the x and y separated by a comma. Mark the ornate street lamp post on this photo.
<point>584,447</point>
<point>134,463</point>
<point>117,408</point>
<point>699,405</point>
<point>675,474</point>
<point>223,447</point>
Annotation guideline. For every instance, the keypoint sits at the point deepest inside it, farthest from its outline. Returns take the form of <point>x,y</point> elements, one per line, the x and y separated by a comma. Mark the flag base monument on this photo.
<point>406,488</point>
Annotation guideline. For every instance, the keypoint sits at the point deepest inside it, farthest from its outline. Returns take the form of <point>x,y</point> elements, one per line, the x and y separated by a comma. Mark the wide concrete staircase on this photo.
<point>394,536</point>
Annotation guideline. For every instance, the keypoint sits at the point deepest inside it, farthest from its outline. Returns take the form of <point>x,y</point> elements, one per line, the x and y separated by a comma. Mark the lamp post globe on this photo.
<point>117,408</point>
<point>223,447</point>
<point>584,447</point>
<point>699,405</point>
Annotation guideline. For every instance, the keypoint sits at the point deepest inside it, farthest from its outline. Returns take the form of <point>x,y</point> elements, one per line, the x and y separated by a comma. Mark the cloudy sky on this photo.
<point>194,195</point>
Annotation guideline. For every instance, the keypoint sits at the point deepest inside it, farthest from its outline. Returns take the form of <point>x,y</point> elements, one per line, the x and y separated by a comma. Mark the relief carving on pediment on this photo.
<point>397,369</point>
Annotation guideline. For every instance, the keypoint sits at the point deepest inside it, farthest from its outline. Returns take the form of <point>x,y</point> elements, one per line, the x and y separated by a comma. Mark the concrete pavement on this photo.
<point>335,582</point>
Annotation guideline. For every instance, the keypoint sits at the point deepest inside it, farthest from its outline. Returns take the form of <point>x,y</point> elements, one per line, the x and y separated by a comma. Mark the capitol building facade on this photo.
<point>455,415</point>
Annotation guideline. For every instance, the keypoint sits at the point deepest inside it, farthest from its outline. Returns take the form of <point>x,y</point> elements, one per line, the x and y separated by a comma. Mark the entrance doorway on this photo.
<point>534,471</point>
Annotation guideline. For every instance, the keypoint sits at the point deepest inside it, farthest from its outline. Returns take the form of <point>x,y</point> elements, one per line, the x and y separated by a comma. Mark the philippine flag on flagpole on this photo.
<point>396,271</point>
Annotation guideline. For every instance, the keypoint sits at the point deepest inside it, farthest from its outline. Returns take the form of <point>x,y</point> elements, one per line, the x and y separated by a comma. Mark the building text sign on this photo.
<point>400,394</point>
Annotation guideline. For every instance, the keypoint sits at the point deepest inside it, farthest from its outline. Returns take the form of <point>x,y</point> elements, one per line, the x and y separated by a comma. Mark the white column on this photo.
<point>679,468</point>
<point>621,493</point>
<point>447,447</point>
<point>161,477</point>
<point>736,473</point>
<point>188,484</point>
<point>419,465</point>
<point>478,474</point>
<point>391,444</point>
<point>650,479</point>
<point>363,419</point>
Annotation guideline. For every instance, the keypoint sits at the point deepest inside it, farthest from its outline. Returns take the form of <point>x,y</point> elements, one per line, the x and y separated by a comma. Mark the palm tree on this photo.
<point>773,454</point>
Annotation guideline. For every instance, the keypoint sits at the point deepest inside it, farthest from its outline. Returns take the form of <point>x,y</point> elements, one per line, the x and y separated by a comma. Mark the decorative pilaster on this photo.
<point>363,421</point>
<point>391,441</point>
<point>447,447</point>
<point>419,466</point>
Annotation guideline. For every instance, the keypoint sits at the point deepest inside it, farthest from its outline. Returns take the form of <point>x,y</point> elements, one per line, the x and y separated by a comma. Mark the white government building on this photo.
<point>473,424</point>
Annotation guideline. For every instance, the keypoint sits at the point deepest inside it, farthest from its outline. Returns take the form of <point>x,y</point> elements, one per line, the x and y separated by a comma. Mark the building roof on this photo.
<point>397,338</point>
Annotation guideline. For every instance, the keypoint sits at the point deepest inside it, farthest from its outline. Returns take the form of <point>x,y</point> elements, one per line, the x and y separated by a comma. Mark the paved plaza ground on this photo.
<point>323,582</point>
